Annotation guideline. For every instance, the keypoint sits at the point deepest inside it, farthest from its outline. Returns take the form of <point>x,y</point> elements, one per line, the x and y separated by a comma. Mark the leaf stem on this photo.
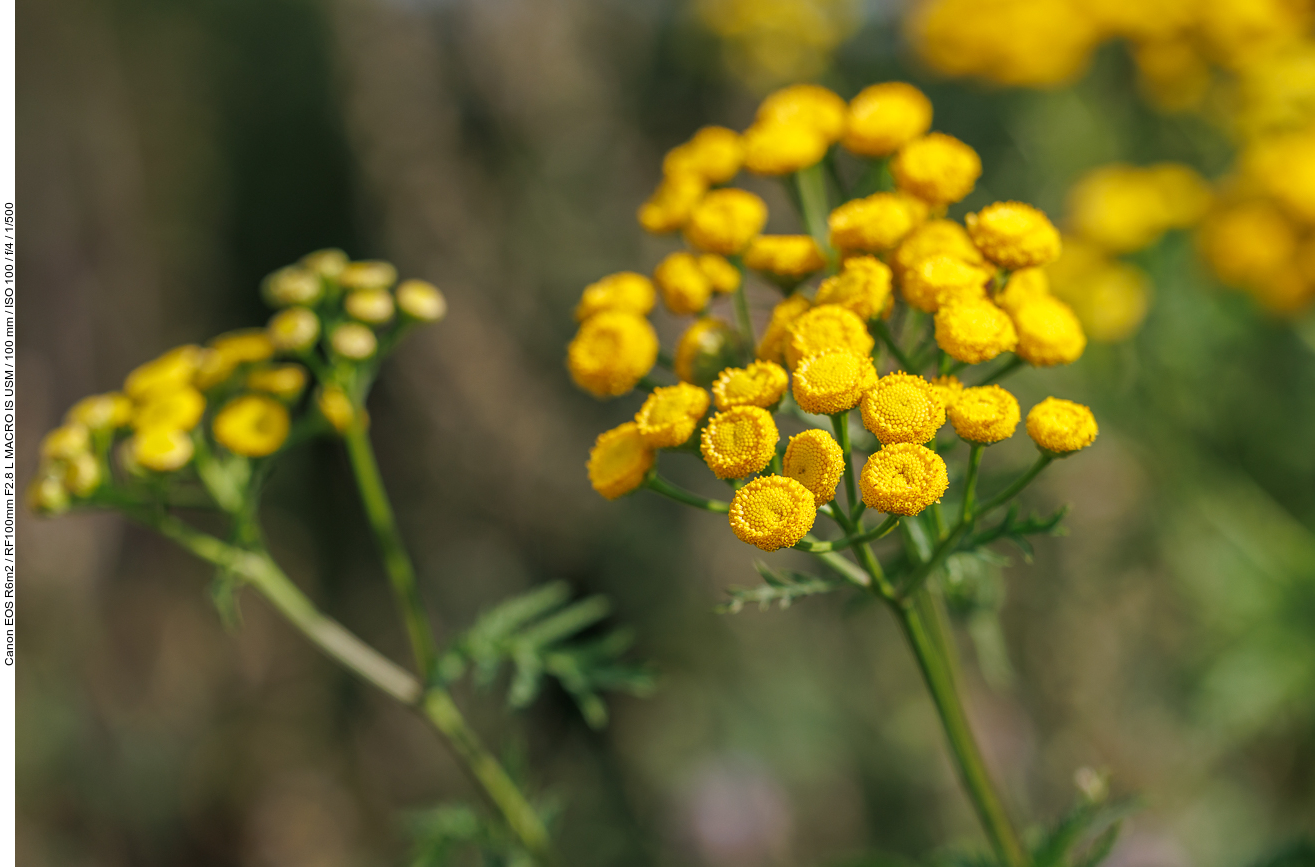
<point>970,481</point>
<point>659,485</point>
<point>813,204</point>
<point>814,546</point>
<point>1043,460</point>
<point>840,421</point>
<point>883,331</point>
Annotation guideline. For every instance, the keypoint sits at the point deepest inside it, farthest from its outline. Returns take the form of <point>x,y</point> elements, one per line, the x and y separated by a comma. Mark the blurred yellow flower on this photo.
<point>670,414</point>
<point>686,288</point>
<point>794,256</point>
<point>181,408</point>
<point>876,223</point>
<point>108,411</point>
<point>706,348</point>
<point>1014,235</point>
<point>885,116</point>
<point>940,279</point>
<point>619,461</point>
<point>294,330</point>
<point>372,274</point>
<point>1049,332</point>
<point>937,168</point>
<point>714,154</point>
<point>771,346</point>
<point>252,425</point>
<point>169,372</point>
<point>611,352</point>
<point>162,449</point>
<point>421,300</point>
<point>725,221</point>
<point>863,286</point>
<point>371,306</point>
<point>974,330</point>
<point>625,291</point>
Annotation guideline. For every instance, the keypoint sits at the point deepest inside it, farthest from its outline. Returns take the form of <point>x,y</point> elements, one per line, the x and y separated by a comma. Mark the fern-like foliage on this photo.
<point>1016,531</point>
<point>783,587</point>
<point>1085,836</point>
<point>453,834</point>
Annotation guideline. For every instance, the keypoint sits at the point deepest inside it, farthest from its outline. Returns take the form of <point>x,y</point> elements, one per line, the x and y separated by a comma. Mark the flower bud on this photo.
<point>372,306</point>
<point>294,329</point>
<point>326,263</point>
<point>421,300</point>
<point>353,341</point>
<point>292,285</point>
<point>373,274</point>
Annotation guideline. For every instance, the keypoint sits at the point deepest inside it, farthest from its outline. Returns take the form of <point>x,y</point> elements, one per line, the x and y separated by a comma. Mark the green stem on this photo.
<point>1043,460</point>
<point>397,563</point>
<point>1003,370</point>
<point>883,331</point>
<point>659,485</point>
<point>813,546</point>
<point>840,421</point>
<point>811,184</point>
<point>742,320</point>
<point>970,482</point>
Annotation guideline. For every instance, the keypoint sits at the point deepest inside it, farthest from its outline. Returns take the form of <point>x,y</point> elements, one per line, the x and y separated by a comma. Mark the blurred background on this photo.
<point>172,154</point>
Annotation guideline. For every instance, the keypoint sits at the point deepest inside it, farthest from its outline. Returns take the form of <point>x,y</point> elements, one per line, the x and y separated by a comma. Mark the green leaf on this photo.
<point>223,595</point>
<point>1088,821</point>
<point>782,587</point>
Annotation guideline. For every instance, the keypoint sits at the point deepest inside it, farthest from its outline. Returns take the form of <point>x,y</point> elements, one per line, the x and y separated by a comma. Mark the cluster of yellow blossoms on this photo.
<point>768,42</point>
<point>208,409</point>
<point>972,292</point>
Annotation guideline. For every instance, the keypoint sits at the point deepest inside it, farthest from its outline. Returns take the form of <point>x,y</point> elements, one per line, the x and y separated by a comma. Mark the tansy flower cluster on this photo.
<point>196,421</point>
<point>768,42</point>
<point>876,290</point>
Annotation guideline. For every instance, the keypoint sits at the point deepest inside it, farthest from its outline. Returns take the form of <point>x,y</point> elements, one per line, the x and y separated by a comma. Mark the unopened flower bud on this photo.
<point>294,329</point>
<point>82,475</point>
<point>353,341</point>
<point>292,285</point>
<point>48,496</point>
<point>327,263</point>
<point>368,275</point>
<point>421,300</point>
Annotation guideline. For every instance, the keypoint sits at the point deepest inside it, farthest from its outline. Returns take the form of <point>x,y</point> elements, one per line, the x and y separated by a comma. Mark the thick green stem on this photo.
<point>937,672</point>
<point>813,546</point>
<point>970,482</point>
<point>811,184</point>
<point>840,421</point>
<point>742,320</point>
<point>659,485</point>
<point>397,563</point>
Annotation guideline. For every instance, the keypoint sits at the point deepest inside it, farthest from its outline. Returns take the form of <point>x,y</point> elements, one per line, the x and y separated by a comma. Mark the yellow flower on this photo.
<point>832,381</point>
<point>1014,235</point>
<point>47,495</point>
<point>162,449</point>
<point>669,207</point>
<point>725,221</point>
<point>109,411</point>
<point>421,300</point>
<point>827,326</point>
<point>739,441</point>
<point>787,255</point>
<point>686,289</point>
<point>875,223</point>
<point>772,512</point>
<point>373,274</point>
<point>974,330</point>
<point>292,285</point>
<point>180,409</point>
<point>725,277</point>
<point>294,330</point>
<point>1061,426</point>
<point>611,352</point>
<point>1122,208</point>
<point>941,279</point>
<point>227,351</point>
<point>903,479</point>
<point>985,414</point>
<point>1049,332</point>
<point>1246,243</point>
<point>328,263</point>
<point>903,408</point>
<point>760,384</point>
<point>883,117</point>
<point>1172,73</point>
<point>353,341</point>
<point>772,345</point>
<point>706,348</point>
<point>806,105</point>
<point>863,286</point>
<point>82,475</point>
<point>282,380</point>
<point>1285,292</point>
<point>935,238</point>
<point>1026,284</point>
<point>714,154</point>
<point>337,408</point>
<point>170,371</point>
<point>937,168</point>
<point>670,414</point>
<point>65,442</point>
<point>625,291</point>
<point>372,306</point>
<point>619,461</point>
<point>947,389</point>
<point>252,425</point>
<point>815,460</point>
<point>1110,300</point>
<point>779,149</point>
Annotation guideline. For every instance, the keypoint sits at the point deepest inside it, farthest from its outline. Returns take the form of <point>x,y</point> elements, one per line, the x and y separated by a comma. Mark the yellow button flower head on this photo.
<point>294,330</point>
<point>1014,235</point>
<point>706,348</point>
<point>670,414</point>
<point>937,168</point>
<point>327,263</point>
<point>760,384</point>
<point>1245,243</point>
<point>974,330</point>
<point>162,449</point>
<point>252,425</point>
<point>282,380</point>
<point>1172,73</point>
<point>1110,300</point>
<point>1185,196</point>
<point>371,306</point>
<point>779,149</point>
<point>229,350</point>
<point>109,411</point>
<point>611,352</point>
<point>65,442</point>
<point>935,238</point>
<point>786,255</point>
<point>725,277</point>
<point>832,381</point>
<point>806,105</point>
<point>686,289</point>
<point>863,286</point>
<point>883,117</point>
<point>772,345</point>
<point>815,460</point>
<point>903,408</point>
<point>875,223</point>
<point>725,221</point>
<point>1025,285</point>
<point>619,461</point>
<point>170,371</point>
<point>903,479</point>
<point>1049,332</point>
<point>353,341</point>
<point>669,207</point>
<point>772,512</point>
<point>82,475</point>
<point>1281,165</point>
<point>714,154</point>
<point>1122,208</point>
<point>372,274</point>
<point>940,279</point>
<point>985,414</point>
<point>947,389</point>
<point>421,300</point>
<point>337,408</point>
<point>739,441</point>
<point>292,285</point>
<point>180,409</point>
<point>1061,426</point>
<point>624,290</point>
<point>827,326</point>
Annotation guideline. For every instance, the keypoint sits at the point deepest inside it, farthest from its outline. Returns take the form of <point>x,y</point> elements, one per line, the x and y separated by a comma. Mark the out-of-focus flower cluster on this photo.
<point>204,414</point>
<point>971,293</point>
<point>769,42</point>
